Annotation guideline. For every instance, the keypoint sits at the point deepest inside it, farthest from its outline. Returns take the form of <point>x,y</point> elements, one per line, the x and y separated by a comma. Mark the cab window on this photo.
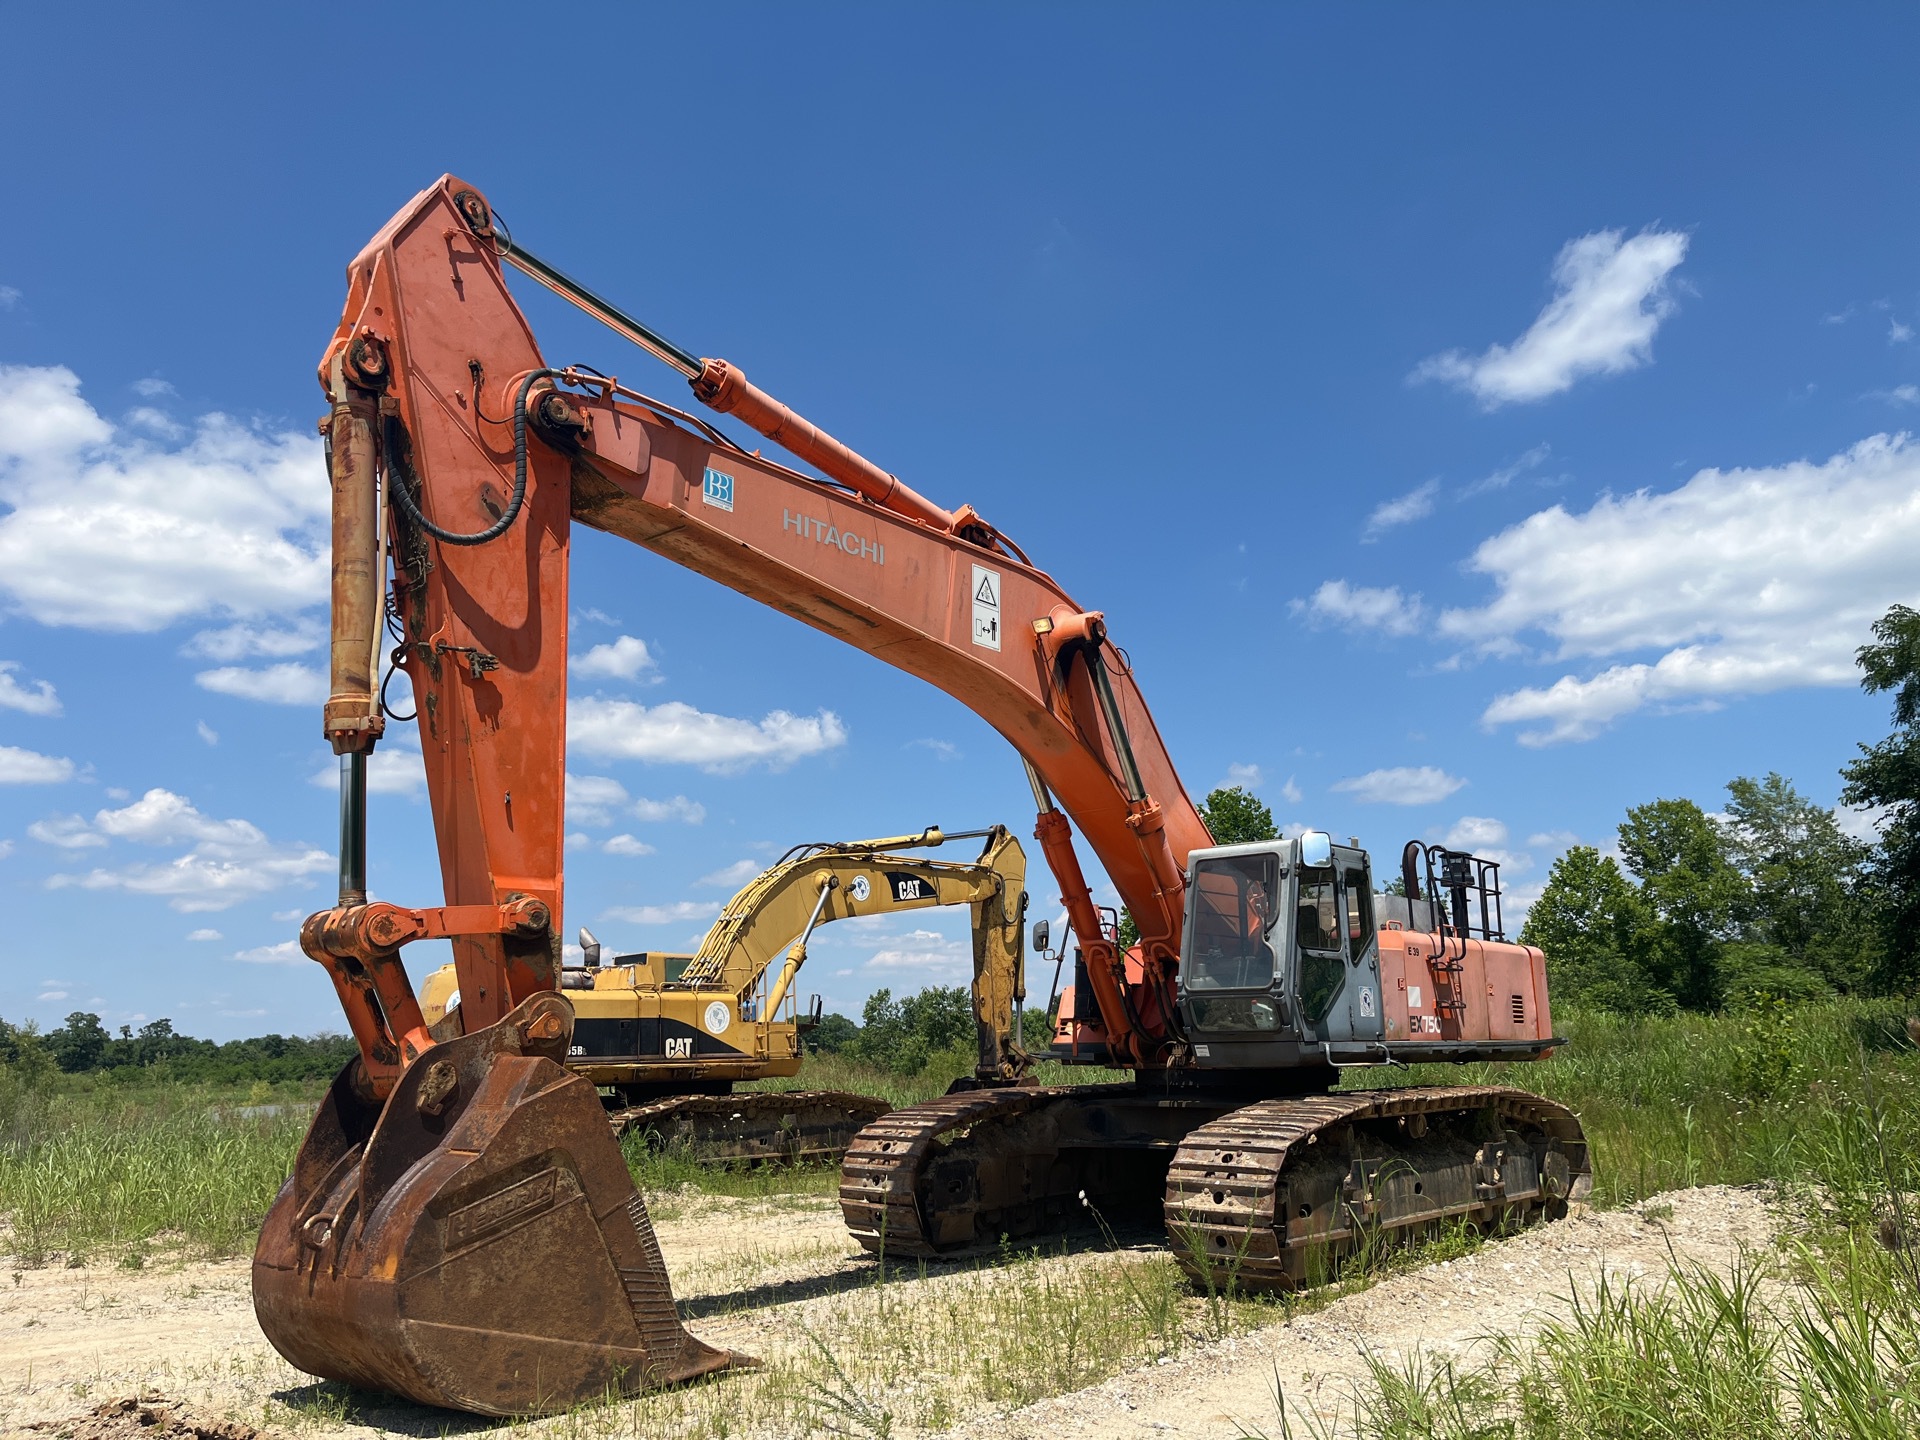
<point>1359,888</point>
<point>1317,927</point>
<point>1233,909</point>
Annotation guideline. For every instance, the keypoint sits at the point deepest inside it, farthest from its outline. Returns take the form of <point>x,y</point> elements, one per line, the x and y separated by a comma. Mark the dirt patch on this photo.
<point>764,1276</point>
<point>1311,1364</point>
<point>150,1419</point>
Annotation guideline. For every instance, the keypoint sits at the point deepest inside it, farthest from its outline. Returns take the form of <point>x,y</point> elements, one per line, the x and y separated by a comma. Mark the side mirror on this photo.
<point>590,947</point>
<point>1042,933</point>
<point>1316,850</point>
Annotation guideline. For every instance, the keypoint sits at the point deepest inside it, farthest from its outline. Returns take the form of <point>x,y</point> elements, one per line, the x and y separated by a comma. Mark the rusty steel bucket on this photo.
<point>476,1241</point>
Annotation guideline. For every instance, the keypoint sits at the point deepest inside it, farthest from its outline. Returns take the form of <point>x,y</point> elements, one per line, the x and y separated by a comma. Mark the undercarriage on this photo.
<point>1265,1195</point>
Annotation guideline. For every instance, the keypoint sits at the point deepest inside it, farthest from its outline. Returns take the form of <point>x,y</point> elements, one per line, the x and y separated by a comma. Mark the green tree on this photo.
<point>1695,891</point>
<point>1806,877</point>
<point>80,1044</point>
<point>833,1034</point>
<point>1598,936</point>
<point>1234,816</point>
<point>1887,776</point>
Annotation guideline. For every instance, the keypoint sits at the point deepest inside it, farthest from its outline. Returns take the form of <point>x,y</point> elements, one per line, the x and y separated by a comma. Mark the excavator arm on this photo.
<point>447,1180</point>
<point>481,438</point>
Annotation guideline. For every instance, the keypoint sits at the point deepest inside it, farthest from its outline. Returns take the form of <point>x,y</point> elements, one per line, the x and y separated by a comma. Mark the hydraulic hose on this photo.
<point>404,494</point>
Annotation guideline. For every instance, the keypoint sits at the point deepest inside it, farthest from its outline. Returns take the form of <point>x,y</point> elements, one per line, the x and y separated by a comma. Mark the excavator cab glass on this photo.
<point>1234,909</point>
<point>1316,930</point>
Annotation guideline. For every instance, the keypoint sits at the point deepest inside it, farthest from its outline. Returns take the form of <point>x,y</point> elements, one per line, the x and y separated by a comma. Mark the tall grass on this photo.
<point>1673,1102</point>
<point>109,1172</point>
<point>1819,1340</point>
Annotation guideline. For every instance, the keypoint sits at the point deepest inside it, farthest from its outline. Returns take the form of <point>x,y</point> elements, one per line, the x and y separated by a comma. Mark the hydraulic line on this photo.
<point>403,490</point>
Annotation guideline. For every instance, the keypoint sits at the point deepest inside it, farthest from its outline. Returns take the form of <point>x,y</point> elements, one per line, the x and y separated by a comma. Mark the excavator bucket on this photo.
<point>476,1241</point>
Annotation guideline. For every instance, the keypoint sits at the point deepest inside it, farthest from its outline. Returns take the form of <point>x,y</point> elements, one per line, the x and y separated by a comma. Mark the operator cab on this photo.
<point>1279,951</point>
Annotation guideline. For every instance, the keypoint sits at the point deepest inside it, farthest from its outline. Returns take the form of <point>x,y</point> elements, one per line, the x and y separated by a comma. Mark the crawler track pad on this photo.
<point>476,1242</point>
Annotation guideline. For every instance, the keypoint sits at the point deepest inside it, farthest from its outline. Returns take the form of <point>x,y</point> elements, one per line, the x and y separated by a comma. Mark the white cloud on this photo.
<point>206,732</point>
<point>1898,334</point>
<point>1290,792</point>
<point>1610,298</point>
<point>1507,474</point>
<point>9,297</point>
<point>1471,832</point>
<point>108,531</point>
<point>287,952</point>
<point>53,995</point>
<point>39,700</point>
<point>6,848</point>
<point>1486,837</point>
<point>1748,580</point>
<point>1416,504</point>
<point>242,642</point>
<point>161,817</point>
<point>205,934</point>
<point>395,767</point>
<point>943,750</point>
<point>1247,777</point>
<point>578,840</point>
<point>676,913</point>
<point>926,954</point>
<point>152,388</point>
<point>231,860</point>
<point>1361,607</point>
<point>591,799</point>
<point>287,684</point>
<point>627,846</point>
<point>733,875</point>
<point>1401,785</point>
<point>626,658</point>
<point>158,422</point>
<point>675,732</point>
<point>1898,395</point>
<point>1553,840</point>
<point>677,807</point>
<point>29,767</point>
<point>68,832</point>
<point>1863,822</point>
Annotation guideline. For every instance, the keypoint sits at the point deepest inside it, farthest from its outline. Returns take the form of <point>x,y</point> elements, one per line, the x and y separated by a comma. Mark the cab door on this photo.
<point>1336,958</point>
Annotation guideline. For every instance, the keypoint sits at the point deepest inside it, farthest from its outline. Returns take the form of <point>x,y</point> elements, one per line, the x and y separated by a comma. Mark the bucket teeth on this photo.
<point>475,1243</point>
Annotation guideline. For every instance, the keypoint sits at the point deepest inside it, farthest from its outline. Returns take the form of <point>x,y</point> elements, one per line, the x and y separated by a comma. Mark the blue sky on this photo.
<point>1473,422</point>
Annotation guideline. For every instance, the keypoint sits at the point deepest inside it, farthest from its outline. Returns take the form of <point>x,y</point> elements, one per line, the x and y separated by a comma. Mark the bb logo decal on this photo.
<point>716,489</point>
<point>860,888</point>
<point>718,1017</point>
<point>1366,1002</point>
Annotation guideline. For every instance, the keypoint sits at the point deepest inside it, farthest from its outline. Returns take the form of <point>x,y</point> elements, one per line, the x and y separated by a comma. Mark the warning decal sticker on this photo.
<point>986,607</point>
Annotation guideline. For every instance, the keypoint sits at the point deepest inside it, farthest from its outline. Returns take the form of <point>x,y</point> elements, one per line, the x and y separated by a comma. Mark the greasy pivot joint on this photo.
<point>366,363</point>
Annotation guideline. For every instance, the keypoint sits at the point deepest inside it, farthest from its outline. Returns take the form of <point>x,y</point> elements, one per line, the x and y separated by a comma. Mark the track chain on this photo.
<point>1274,1194</point>
<point>885,1170</point>
<point>791,1127</point>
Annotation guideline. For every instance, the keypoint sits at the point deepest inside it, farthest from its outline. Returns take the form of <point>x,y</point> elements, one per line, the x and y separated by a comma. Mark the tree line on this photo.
<point>156,1050</point>
<point>1768,897</point>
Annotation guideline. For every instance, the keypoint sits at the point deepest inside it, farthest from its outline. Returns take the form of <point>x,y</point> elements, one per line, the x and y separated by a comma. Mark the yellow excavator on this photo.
<point>667,1036</point>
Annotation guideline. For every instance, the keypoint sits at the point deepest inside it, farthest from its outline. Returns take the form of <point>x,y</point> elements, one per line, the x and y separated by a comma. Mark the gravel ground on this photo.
<point>75,1340</point>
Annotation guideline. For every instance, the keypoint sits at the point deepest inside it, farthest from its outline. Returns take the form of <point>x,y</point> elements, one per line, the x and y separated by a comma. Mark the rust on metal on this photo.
<point>475,1242</point>
<point>787,1127</point>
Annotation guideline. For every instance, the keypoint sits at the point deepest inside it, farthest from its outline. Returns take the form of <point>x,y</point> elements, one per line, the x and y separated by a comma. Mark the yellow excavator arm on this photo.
<point>750,958</point>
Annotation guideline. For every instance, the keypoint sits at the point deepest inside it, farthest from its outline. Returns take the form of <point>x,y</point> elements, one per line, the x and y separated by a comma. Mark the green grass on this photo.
<point>92,1168</point>
<point>1671,1103</point>
<point>108,1172</point>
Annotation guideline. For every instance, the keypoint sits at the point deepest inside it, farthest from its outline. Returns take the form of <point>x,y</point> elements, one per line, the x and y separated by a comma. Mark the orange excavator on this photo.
<point>459,1227</point>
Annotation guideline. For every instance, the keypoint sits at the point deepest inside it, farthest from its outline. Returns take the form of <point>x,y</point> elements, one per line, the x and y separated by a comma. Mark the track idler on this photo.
<point>475,1242</point>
